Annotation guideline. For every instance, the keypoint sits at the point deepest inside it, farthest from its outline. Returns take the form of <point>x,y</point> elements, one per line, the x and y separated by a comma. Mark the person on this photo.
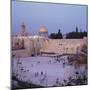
<point>38,62</point>
<point>41,73</point>
<point>65,82</point>
<point>49,62</point>
<point>57,81</point>
<point>45,75</point>
<point>27,70</point>
<point>36,74</point>
<point>63,64</point>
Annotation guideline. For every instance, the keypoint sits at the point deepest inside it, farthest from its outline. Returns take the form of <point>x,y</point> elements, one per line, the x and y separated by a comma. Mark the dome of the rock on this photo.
<point>43,32</point>
<point>43,29</point>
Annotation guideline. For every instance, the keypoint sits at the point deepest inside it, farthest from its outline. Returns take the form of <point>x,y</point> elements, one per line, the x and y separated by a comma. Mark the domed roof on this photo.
<point>43,29</point>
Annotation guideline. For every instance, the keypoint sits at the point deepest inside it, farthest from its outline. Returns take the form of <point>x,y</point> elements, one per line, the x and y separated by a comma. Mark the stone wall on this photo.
<point>34,46</point>
<point>65,46</point>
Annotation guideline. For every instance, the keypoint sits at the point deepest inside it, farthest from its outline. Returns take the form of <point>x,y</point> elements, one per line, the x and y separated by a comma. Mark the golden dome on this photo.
<point>43,29</point>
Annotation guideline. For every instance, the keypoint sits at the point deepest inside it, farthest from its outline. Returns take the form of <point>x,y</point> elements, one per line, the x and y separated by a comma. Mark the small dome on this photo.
<point>43,29</point>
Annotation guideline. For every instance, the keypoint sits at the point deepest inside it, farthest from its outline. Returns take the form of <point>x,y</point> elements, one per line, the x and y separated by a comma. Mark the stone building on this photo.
<point>43,32</point>
<point>25,45</point>
<point>22,30</point>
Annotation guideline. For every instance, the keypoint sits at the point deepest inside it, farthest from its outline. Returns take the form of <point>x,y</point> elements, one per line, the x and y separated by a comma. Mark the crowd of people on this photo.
<point>21,73</point>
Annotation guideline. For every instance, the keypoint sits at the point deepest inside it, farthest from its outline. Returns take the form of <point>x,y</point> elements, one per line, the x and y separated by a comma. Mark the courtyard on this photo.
<point>48,71</point>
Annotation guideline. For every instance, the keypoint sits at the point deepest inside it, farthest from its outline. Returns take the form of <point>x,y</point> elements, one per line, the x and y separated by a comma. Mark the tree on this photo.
<point>77,29</point>
<point>76,35</point>
<point>57,35</point>
<point>59,31</point>
<point>80,30</point>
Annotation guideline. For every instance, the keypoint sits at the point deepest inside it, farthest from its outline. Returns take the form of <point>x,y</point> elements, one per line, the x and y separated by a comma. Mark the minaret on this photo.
<point>22,27</point>
<point>23,30</point>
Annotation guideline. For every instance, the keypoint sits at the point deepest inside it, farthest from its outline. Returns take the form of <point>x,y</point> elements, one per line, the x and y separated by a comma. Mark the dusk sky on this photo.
<point>52,16</point>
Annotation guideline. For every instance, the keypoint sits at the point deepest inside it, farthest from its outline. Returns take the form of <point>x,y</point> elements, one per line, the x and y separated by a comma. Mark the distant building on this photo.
<point>64,36</point>
<point>23,30</point>
<point>43,32</point>
<point>37,44</point>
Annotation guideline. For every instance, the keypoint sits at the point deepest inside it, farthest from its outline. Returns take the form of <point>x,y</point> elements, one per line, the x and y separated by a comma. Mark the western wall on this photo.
<point>34,45</point>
